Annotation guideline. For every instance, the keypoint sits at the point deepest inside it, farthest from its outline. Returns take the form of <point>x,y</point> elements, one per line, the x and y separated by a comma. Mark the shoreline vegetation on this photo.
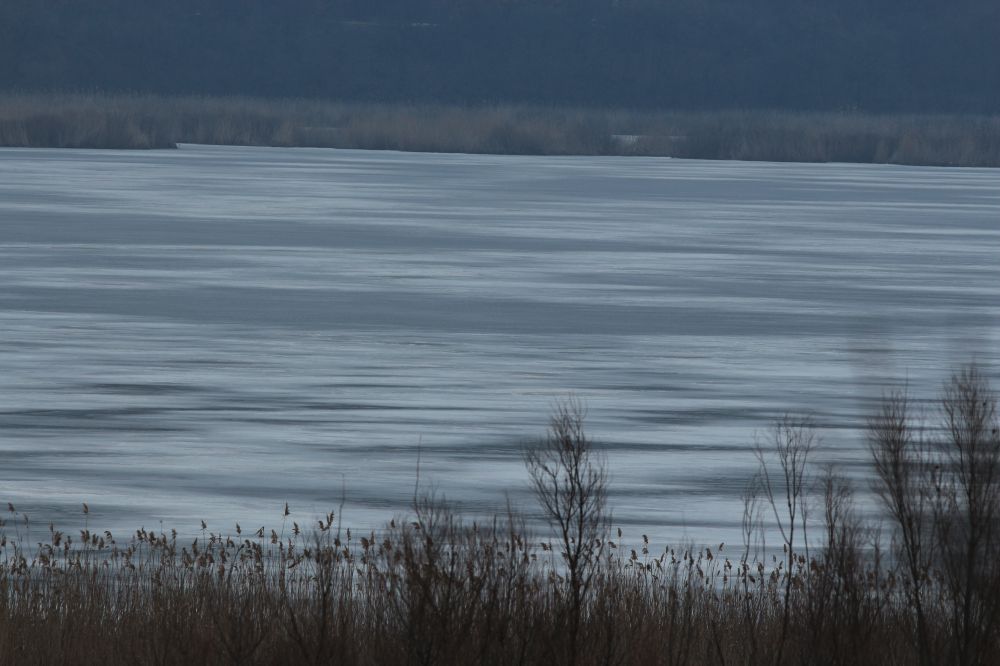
<point>156,122</point>
<point>920,587</point>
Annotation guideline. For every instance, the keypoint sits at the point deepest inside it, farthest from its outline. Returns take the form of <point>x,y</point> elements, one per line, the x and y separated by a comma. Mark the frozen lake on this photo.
<point>210,332</point>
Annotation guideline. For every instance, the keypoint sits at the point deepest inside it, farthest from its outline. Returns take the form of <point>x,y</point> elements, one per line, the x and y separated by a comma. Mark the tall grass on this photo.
<point>434,588</point>
<point>143,121</point>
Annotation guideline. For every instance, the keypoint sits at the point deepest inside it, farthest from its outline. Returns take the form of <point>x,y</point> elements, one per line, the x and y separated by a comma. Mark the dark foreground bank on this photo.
<point>921,587</point>
<point>146,122</point>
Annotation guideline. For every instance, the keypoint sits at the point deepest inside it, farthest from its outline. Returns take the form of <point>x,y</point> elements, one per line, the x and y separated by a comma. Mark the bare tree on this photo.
<point>570,481</point>
<point>943,493</point>
<point>790,444</point>
<point>968,513</point>
<point>840,608</point>
<point>903,469</point>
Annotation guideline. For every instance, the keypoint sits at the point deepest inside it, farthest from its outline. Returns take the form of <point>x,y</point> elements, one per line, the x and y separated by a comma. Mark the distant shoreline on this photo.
<point>157,122</point>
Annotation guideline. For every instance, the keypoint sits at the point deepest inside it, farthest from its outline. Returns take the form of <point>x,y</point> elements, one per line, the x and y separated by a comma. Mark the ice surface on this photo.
<point>210,332</point>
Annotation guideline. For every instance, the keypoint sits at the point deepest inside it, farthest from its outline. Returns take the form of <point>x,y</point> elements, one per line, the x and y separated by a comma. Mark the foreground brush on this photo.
<point>435,589</point>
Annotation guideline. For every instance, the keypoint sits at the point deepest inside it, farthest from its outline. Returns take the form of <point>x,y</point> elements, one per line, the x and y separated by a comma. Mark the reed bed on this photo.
<point>146,121</point>
<point>435,588</point>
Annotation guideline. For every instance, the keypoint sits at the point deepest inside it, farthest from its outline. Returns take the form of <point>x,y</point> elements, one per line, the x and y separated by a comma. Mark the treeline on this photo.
<point>835,587</point>
<point>913,56</point>
<point>130,121</point>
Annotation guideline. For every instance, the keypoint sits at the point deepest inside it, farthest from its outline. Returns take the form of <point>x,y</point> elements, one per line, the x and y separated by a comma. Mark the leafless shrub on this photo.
<point>570,483</point>
<point>967,514</point>
<point>943,493</point>
<point>841,605</point>
<point>903,468</point>
<point>785,491</point>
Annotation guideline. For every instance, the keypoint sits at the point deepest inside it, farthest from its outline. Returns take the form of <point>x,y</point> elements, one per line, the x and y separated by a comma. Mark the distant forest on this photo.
<point>900,56</point>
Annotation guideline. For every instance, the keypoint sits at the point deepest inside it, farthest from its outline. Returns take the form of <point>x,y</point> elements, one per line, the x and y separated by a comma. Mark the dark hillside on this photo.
<point>883,56</point>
